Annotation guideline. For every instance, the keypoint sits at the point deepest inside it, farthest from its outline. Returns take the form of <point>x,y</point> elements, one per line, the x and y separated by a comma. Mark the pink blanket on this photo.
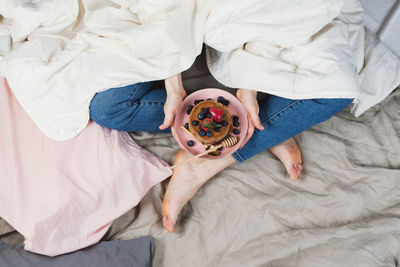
<point>63,196</point>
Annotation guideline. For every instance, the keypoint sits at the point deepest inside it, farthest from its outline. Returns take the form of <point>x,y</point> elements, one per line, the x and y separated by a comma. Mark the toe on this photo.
<point>168,224</point>
<point>299,166</point>
<point>295,171</point>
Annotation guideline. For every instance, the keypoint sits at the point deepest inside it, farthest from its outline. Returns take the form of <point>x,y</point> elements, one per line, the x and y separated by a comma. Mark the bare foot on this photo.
<point>289,153</point>
<point>186,181</point>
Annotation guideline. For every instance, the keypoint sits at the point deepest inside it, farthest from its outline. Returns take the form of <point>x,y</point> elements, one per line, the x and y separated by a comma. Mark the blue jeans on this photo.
<point>138,107</point>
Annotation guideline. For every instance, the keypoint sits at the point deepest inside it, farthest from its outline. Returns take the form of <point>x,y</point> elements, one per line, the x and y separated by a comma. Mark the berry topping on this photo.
<point>202,133</point>
<point>236,124</point>
<point>187,125</point>
<point>209,134</point>
<point>226,103</point>
<point>204,110</point>
<point>209,98</point>
<point>198,101</point>
<point>220,99</point>
<point>217,129</point>
<point>216,114</point>
<point>236,131</point>
<point>189,109</point>
<point>195,123</point>
<point>235,118</point>
<point>190,143</point>
<point>224,123</point>
<point>220,149</point>
<point>201,116</point>
<point>208,115</point>
<point>206,124</point>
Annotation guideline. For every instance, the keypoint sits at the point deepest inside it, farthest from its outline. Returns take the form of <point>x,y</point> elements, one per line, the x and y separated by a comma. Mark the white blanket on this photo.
<point>63,52</point>
<point>301,50</point>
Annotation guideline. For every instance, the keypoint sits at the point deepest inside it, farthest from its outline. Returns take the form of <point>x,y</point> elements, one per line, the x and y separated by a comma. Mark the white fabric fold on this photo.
<point>73,49</point>
<point>301,50</point>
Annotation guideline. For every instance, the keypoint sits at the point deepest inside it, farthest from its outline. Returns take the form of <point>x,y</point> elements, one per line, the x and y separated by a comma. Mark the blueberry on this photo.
<point>209,98</point>
<point>198,101</point>
<point>208,115</point>
<point>236,131</point>
<point>217,129</point>
<point>226,103</point>
<point>235,118</point>
<point>195,123</point>
<point>200,128</point>
<point>236,123</point>
<point>205,110</point>
<point>201,116</point>
<point>202,133</point>
<point>187,125</point>
<point>190,143</point>
<point>220,99</point>
<point>224,123</point>
<point>220,149</point>
<point>209,134</point>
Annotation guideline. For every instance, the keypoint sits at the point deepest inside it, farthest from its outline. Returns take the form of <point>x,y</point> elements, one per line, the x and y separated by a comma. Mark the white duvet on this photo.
<point>58,54</point>
<point>300,49</point>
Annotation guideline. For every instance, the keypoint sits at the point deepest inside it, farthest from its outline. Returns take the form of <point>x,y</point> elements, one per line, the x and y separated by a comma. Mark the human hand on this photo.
<point>248,98</point>
<point>170,108</point>
<point>175,95</point>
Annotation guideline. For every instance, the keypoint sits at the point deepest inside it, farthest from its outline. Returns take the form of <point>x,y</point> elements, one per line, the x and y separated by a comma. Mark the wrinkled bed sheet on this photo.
<point>343,211</point>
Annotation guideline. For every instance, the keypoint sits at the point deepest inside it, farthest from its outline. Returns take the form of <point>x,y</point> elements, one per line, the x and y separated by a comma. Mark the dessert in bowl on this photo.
<point>210,121</point>
<point>208,116</point>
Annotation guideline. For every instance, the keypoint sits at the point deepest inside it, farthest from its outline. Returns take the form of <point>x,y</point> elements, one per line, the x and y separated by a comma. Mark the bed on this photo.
<point>344,210</point>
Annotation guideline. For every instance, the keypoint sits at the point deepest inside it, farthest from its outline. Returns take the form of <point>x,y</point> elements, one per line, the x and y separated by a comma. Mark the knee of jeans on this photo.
<point>95,109</point>
<point>101,111</point>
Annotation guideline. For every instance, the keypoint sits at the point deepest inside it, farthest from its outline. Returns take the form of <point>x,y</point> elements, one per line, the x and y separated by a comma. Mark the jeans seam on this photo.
<point>150,102</point>
<point>135,92</point>
<point>137,107</point>
<point>280,111</point>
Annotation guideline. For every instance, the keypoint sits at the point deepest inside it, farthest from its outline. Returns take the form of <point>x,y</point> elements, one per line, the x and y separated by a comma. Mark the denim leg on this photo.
<point>135,107</point>
<point>284,118</point>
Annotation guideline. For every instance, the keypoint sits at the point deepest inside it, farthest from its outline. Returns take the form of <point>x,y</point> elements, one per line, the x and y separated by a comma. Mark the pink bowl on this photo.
<point>235,108</point>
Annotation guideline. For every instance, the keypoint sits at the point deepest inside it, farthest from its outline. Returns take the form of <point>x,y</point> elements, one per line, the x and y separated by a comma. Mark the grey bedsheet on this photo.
<point>344,210</point>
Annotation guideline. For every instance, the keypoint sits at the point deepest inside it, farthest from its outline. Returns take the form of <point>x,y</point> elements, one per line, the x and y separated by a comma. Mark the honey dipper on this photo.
<point>227,142</point>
